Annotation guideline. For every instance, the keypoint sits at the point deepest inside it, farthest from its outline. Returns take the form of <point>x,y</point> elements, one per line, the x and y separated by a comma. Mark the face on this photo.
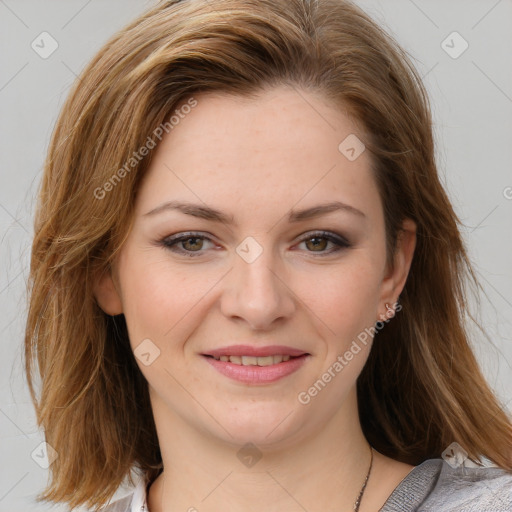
<point>231,246</point>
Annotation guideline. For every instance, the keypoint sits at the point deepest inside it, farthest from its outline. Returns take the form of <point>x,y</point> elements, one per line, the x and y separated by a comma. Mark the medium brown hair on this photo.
<point>421,388</point>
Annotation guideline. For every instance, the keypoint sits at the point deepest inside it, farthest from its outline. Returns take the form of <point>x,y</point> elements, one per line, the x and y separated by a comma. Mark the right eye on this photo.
<point>185,243</point>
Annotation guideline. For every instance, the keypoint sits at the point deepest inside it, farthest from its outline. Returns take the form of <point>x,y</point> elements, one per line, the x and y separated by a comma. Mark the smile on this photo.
<point>257,370</point>
<point>253,361</point>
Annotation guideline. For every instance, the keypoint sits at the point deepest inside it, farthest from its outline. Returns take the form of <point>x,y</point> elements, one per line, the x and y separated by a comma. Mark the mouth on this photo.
<point>255,361</point>
<point>256,365</point>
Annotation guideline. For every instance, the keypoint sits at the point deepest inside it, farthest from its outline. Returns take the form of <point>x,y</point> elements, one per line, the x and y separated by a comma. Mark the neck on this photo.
<point>324,471</point>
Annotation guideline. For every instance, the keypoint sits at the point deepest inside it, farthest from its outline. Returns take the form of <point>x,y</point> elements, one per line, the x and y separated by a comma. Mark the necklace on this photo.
<point>356,504</point>
<point>361,492</point>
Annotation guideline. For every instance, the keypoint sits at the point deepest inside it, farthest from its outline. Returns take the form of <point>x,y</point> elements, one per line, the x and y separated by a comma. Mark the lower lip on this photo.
<point>253,374</point>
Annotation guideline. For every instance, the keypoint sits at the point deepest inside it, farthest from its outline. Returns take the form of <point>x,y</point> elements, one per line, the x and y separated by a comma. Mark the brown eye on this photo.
<point>317,243</point>
<point>196,245</point>
<point>187,244</point>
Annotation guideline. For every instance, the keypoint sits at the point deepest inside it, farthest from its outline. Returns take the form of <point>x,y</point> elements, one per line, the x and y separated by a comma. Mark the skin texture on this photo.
<point>257,159</point>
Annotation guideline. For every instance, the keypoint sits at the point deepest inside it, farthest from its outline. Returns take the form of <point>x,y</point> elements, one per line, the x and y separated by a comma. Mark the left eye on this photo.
<point>319,241</point>
<point>191,244</point>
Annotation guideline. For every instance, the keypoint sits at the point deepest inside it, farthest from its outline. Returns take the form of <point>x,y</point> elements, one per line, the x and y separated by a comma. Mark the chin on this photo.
<point>266,426</point>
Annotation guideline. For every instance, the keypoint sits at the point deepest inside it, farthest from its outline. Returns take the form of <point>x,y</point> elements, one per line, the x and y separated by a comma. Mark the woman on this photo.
<point>247,282</point>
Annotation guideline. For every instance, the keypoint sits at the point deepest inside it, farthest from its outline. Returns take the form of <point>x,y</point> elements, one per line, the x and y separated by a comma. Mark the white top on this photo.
<point>134,502</point>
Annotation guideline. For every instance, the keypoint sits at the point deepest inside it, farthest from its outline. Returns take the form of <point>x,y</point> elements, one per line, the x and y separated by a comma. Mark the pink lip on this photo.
<point>250,350</point>
<point>258,374</point>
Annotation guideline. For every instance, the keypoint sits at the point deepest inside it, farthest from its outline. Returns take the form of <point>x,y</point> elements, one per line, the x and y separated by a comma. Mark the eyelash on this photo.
<point>171,242</point>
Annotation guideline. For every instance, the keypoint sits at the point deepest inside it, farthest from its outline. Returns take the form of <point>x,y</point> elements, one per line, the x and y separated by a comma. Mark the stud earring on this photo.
<point>390,312</point>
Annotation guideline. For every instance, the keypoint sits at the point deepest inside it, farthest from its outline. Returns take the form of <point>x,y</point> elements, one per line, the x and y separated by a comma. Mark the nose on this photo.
<point>258,293</point>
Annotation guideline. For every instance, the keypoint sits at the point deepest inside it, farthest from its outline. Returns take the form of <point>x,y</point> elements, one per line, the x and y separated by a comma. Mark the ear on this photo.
<point>395,278</point>
<point>106,294</point>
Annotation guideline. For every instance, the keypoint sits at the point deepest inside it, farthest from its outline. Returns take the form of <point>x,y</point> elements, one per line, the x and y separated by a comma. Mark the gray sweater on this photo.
<point>432,486</point>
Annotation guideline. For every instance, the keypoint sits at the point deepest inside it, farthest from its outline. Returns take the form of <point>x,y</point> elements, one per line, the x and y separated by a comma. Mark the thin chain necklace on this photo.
<point>361,492</point>
<point>356,504</point>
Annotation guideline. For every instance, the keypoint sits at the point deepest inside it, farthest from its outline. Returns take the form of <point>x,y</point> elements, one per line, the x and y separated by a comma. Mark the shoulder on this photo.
<point>463,488</point>
<point>435,485</point>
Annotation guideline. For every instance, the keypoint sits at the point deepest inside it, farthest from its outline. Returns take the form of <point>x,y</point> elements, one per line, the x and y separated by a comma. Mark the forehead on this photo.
<point>282,146</point>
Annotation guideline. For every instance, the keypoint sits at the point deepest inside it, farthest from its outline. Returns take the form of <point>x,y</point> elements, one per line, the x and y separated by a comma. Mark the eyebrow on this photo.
<point>211,214</point>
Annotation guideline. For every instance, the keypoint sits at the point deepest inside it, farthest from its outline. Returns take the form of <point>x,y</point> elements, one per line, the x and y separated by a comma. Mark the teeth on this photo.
<point>249,360</point>
<point>254,361</point>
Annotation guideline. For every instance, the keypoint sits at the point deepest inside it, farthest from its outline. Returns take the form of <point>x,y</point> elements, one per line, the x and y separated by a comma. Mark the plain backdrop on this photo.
<point>469,79</point>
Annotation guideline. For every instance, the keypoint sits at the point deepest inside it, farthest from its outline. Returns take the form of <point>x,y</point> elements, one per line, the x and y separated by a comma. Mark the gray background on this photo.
<point>472,104</point>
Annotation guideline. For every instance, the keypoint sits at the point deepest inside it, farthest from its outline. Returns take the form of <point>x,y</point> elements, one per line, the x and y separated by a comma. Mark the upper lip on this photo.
<point>251,350</point>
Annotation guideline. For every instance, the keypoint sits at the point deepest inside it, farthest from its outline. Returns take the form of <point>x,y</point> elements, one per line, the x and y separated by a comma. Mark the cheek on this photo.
<point>344,298</point>
<point>158,298</point>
